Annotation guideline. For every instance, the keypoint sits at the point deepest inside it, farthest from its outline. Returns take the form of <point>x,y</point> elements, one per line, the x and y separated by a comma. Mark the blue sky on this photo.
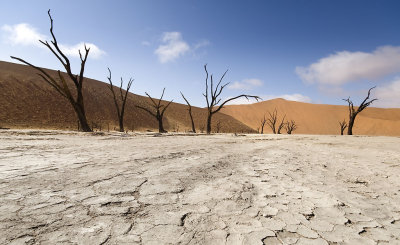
<point>314,51</point>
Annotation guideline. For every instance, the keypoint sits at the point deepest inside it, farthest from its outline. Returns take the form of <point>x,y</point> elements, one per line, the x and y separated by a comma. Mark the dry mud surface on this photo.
<point>76,188</point>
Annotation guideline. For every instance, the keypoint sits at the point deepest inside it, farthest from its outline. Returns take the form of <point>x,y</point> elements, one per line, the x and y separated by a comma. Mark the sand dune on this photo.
<point>317,118</point>
<point>28,102</point>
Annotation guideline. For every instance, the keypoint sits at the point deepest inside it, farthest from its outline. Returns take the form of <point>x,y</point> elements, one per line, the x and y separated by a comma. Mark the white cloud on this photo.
<point>388,95</point>
<point>202,43</point>
<point>22,34</point>
<point>292,97</point>
<point>246,84</point>
<point>26,35</point>
<point>174,47</point>
<point>343,67</point>
<point>73,50</point>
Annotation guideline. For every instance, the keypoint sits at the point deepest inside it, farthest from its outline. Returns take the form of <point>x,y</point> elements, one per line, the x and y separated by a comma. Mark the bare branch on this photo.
<point>234,98</point>
<point>145,109</point>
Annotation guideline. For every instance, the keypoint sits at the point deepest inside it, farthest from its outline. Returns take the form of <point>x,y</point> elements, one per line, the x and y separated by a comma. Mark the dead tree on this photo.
<point>281,125</point>
<point>263,121</point>
<point>353,112</point>
<point>122,98</point>
<point>290,126</point>
<point>218,126</point>
<point>158,111</point>
<point>343,126</point>
<point>59,83</point>
<point>272,119</point>
<point>190,113</point>
<point>212,97</point>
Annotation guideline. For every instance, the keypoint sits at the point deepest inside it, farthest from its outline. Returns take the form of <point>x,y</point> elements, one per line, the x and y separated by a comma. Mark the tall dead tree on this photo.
<point>343,126</point>
<point>272,119</point>
<point>281,125</point>
<point>190,113</point>
<point>290,126</point>
<point>158,110</point>
<point>212,97</point>
<point>263,121</point>
<point>59,83</point>
<point>121,100</point>
<point>353,112</point>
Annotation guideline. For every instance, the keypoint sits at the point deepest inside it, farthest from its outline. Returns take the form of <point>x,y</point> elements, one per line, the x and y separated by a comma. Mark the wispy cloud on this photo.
<point>26,35</point>
<point>345,66</point>
<point>201,44</point>
<point>73,50</point>
<point>174,46</point>
<point>22,34</point>
<point>246,84</point>
<point>292,97</point>
<point>145,43</point>
<point>388,94</point>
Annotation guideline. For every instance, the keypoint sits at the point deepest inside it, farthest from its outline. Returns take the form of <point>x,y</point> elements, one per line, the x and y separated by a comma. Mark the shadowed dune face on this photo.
<point>318,119</point>
<point>28,102</point>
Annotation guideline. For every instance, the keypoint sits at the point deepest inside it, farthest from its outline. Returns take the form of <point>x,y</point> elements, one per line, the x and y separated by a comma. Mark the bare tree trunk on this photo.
<point>263,121</point>
<point>159,111</point>
<point>209,118</point>
<point>160,125</point>
<point>353,113</point>
<point>281,125</point>
<point>123,97</point>
<point>59,83</point>
<point>190,113</point>
<point>343,126</point>
<point>351,124</point>
<point>212,97</point>
<point>80,112</point>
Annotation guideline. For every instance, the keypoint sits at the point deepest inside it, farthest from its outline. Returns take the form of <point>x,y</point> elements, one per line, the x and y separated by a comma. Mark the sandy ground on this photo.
<point>77,188</point>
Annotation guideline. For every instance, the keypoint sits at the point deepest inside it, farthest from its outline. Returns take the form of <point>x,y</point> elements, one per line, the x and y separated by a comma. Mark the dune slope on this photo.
<point>317,118</point>
<point>28,102</point>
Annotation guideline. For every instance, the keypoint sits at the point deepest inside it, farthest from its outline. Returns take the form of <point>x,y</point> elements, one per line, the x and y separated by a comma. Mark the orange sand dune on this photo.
<point>28,102</point>
<point>317,118</point>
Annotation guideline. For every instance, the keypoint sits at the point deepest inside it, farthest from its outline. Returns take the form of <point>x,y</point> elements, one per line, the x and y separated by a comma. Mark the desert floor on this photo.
<point>69,187</point>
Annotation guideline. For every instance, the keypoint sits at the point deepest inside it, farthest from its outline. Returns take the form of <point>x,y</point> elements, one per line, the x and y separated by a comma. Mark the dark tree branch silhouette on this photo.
<point>353,112</point>
<point>212,97</point>
<point>272,119</point>
<point>263,121</point>
<point>122,97</point>
<point>281,125</point>
<point>158,111</point>
<point>190,113</point>
<point>290,126</point>
<point>60,84</point>
<point>343,126</point>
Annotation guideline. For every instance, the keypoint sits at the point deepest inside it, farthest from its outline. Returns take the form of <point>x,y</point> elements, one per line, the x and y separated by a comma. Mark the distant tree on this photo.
<point>343,126</point>
<point>272,119</point>
<point>59,83</point>
<point>190,113</point>
<point>212,97</point>
<point>158,111</point>
<point>263,121</point>
<point>218,126</point>
<point>281,125</point>
<point>290,126</point>
<point>121,100</point>
<point>353,112</point>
